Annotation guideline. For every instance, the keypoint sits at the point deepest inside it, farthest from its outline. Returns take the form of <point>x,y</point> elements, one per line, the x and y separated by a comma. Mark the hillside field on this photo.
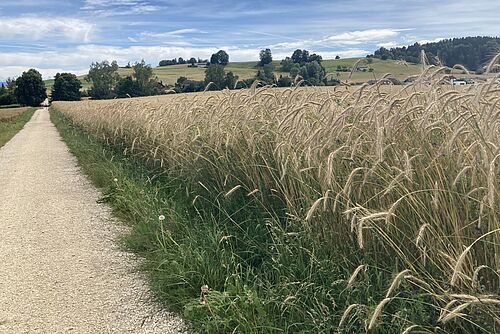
<point>11,112</point>
<point>245,70</point>
<point>12,120</point>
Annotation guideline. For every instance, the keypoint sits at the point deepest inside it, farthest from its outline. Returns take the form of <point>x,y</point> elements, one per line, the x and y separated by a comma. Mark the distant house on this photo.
<point>202,65</point>
<point>458,83</point>
<point>362,68</point>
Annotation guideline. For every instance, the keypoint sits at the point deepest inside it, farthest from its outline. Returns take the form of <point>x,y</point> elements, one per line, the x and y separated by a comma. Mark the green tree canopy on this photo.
<point>266,74</point>
<point>471,52</point>
<point>215,73</point>
<point>307,66</point>
<point>146,80</point>
<point>30,88</point>
<point>7,92</point>
<point>141,83</point>
<point>300,56</point>
<point>266,57</point>
<point>127,87</point>
<point>313,73</point>
<point>286,64</point>
<point>103,77</point>
<point>66,87</point>
<point>230,80</point>
<point>220,58</point>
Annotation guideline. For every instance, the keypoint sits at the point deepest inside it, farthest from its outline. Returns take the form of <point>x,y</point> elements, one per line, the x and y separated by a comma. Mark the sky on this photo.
<point>68,35</point>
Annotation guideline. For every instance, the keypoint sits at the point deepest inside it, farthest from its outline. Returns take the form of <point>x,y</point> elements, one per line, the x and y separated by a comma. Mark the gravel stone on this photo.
<point>61,270</point>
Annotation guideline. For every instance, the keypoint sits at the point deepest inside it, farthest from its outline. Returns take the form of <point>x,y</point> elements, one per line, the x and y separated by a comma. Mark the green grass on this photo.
<point>245,70</point>
<point>10,126</point>
<point>265,275</point>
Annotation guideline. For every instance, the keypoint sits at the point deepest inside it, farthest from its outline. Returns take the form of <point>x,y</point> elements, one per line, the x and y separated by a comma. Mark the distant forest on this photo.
<point>471,52</point>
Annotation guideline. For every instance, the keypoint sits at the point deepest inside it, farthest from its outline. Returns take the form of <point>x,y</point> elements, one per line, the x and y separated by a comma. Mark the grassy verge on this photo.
<point>230,267</point>
<point>12,125</point>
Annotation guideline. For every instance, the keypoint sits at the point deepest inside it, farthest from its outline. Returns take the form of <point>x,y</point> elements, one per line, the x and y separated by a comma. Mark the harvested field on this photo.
<point>11,112</point>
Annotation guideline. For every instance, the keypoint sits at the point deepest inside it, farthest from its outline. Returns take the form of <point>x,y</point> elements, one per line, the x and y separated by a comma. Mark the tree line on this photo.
<point>301,66</point>
<point>471,52</point>
<point>181,61</point>
<point>106,83</point>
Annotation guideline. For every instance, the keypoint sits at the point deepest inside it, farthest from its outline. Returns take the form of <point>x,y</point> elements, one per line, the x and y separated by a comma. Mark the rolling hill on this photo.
<point>245,70</point>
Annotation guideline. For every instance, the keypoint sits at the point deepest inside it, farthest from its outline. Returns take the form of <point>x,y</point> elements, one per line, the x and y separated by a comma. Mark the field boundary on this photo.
<point>9,127</point>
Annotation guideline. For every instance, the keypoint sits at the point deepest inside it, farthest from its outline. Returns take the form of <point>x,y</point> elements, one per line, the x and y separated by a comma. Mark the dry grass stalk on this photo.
<point>364,149</point>
<point>355,273</point>
<point>396,281</point>
<point>377,312</point>
<point>345,316</point>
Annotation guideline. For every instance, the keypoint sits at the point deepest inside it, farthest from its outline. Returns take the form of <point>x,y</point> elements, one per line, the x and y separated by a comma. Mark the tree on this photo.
<point>103,77</point>
<point>127,87</point>
<point>286,64</point>
<point>314,57</point>
<point>181,61</point>
<point>266,74</point>
<point>300,56</point>
<point>284,81</point>
<point>192,61</point>
<point>337,57</point>
<point>215,74</point>
<point>313,73</point>
<point>66,87</point>
<point>146,81</point>
<point>30,88</point>
<point>184,85</point>
<point>265,56</point>
<point>307,66</point>
<point>230,80</point>
<point>7,92</point>
<point>141,83</point>
<point>167,62</point>
<point>220,58</point>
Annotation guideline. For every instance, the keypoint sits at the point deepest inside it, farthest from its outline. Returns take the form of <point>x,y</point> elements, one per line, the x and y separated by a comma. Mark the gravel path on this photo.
<point>60,269</point>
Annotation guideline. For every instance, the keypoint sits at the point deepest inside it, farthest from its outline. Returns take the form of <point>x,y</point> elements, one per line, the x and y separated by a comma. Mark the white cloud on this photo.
<point>169,33</point>
<point>369,35</point>
<point>425,41</point>
<point>34,28</point>
<point>108,8</point>
<point>165,36</point>
<point>92,4</point>
<point>388,45</point>
<point>350,38</point>
<point>47,73</point>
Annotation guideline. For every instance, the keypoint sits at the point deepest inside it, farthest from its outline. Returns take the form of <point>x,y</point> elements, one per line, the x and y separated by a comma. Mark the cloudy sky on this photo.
<point>67,35</point>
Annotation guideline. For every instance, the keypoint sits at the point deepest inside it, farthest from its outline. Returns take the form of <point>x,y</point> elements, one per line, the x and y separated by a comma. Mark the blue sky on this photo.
<point>67,35</point>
